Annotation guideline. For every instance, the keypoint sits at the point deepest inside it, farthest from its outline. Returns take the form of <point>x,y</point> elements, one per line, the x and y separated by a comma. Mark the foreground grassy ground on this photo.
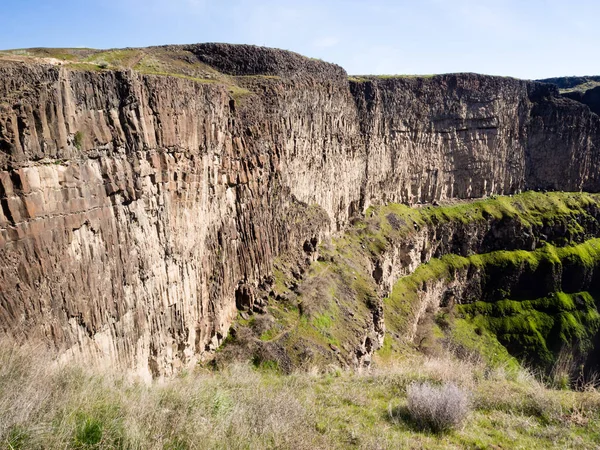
<point>45,406</point>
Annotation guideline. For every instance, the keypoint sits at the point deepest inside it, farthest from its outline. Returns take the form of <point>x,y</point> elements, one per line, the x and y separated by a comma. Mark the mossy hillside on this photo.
<point>316,324</point>
<point>535,330</point>
<point>559,217</point>
<point>335,304</point>
<point>403,303</point>
<point>464,335</point>
<point>331,302</point>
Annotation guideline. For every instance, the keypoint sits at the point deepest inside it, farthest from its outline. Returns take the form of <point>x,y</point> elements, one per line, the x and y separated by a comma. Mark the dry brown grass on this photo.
<point>439,408</point>
<point>45,405</point>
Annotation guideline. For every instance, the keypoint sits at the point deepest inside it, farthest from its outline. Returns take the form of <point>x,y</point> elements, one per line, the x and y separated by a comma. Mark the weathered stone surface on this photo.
<point>590,97</point>
<point>134,207</point>
<point>468,136</point>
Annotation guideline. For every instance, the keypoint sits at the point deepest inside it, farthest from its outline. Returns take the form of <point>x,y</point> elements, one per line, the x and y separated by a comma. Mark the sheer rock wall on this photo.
<point>137,208</point>
<point>468,136</point>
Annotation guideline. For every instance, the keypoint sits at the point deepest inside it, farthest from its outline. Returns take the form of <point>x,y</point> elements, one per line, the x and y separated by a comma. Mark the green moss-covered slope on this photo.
<point>537,330</point>
<point>536,304</point>
<point>557,217</point>
<point>521,248</point>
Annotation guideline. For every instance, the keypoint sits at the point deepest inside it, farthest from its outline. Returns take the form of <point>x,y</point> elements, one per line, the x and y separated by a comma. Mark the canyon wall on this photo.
<point>137,209</point>
<point>468,136</point>
<point>134,207</point>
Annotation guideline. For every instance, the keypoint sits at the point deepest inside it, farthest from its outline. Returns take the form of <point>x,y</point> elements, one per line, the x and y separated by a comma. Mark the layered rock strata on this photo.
<point>136,209</point>
<point>469,136</point>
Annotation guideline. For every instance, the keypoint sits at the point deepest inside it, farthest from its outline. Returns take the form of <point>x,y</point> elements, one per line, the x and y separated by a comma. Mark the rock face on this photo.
<point>137,209</point>
<point>469,136</point>
<point>591,98</point>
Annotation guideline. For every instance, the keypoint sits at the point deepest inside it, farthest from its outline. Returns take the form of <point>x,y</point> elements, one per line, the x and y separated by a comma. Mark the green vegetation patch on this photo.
<point>533,330</point>
<point>529,208</point>
<point>122,58</point>
<point>78,140</point>
<point>537,330</point>
<point>466,334</point>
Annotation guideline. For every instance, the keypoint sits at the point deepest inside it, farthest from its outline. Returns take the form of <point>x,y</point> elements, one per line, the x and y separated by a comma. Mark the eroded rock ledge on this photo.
<point>135,205</point>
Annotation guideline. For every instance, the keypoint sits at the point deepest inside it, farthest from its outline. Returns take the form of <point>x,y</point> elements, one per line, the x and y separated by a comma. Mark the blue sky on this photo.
<point>526,38</point>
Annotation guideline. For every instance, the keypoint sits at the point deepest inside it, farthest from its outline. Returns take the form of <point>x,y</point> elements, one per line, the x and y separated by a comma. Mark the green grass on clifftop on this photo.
<point>156,61</point>
<point>529,208</point>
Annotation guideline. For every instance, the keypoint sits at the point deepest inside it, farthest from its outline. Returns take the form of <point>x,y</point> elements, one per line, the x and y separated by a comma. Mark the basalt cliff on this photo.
<point>147,193</point>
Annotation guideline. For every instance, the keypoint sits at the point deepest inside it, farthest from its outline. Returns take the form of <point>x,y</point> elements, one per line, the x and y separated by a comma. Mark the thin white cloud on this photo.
<point>326,42</point>
<point>167,6</point>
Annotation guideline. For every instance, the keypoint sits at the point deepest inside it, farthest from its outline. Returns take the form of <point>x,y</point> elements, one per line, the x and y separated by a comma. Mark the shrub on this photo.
<point>438,408</point>
<point>78,140</point>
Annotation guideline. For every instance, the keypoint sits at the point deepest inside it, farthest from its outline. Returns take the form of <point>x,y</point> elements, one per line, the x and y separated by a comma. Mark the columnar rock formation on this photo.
<point>469,136</point>
<point>136,208</point>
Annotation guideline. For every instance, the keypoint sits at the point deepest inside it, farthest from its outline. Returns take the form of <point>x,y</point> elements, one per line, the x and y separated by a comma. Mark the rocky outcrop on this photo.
<point>469,136</point>
<point>136,209</point>
<point>590,97</point>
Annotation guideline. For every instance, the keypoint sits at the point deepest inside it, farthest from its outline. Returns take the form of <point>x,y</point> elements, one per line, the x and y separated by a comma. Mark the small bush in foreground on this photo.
<point>439,408</point>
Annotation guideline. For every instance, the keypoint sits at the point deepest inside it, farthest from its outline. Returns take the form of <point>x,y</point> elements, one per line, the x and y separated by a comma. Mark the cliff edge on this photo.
<point>146,192</point>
